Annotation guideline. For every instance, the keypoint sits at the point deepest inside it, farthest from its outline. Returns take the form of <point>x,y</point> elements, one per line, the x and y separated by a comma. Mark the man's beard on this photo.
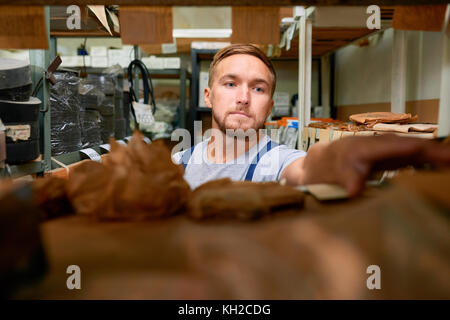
<point>222,127</point>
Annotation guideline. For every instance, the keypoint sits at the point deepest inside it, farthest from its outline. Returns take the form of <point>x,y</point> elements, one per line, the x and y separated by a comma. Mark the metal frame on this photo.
<point>39,60</point>
<point>182,74</point>
<point>444,101</point>
<point>304,76</point>
<point>398,80</point>
<point>195,85</point>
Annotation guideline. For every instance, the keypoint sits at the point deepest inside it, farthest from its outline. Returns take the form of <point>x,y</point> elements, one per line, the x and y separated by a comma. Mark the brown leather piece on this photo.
<point>322,252</point>
<point>135,182</point>
<point>371,118</point>
<point>50,195</point>
<point>338,125</point>
<point>244,200</point>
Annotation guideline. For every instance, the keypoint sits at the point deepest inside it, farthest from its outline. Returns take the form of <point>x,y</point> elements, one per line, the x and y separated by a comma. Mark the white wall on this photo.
<point>423,65</point>
<point>363,74</point>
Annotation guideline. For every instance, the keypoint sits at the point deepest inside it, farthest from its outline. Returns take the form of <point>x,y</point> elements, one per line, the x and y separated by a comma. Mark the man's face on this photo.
<point>240,94</point>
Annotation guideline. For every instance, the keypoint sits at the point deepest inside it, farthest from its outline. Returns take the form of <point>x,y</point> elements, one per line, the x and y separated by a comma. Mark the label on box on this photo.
<point>168,48</point>
<point>172,63</point>
<point>18,132</point>
<point>92,154</point>
<point>106,146</point>
<point>121,142</point>
<point>147,140</point>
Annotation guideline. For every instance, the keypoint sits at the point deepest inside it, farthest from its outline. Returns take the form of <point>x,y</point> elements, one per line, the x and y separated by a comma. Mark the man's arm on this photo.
<point>349,161</point>
<point>293,173</point>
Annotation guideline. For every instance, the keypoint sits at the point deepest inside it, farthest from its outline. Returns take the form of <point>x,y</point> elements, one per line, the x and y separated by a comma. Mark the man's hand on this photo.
<point>349,161</point>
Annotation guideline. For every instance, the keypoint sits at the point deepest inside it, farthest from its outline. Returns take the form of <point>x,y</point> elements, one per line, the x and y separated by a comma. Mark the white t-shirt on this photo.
<point>269,168</point>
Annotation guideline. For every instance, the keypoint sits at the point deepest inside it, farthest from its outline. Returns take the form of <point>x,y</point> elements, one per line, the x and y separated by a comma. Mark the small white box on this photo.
<point>281,98</point>
<point>153,62</point>
<point>99,62</point>
<point>281,111</point>
<point>115,56</point>
<point>172,63</point>
<point>98,51</point>
<point>75,61</point>
<point>167,48</point>
<point>124,62</point>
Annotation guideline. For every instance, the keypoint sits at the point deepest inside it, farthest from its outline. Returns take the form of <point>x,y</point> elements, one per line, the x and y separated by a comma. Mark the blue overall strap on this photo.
<point>186,156</point>
<point>254,163</point>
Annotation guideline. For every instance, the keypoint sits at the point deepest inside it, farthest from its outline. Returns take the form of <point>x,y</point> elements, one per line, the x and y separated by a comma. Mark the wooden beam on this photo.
<point>224,2</point>
<point>259,25</point>
<point>145,24</point>
<point>351,34</point>
<point>23,28</point>
<point>419,18</point>
<point>183,45</point>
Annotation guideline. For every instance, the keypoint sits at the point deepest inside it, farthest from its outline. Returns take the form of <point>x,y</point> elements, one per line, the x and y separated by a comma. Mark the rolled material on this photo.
<point>20,111</point>
<point>15,80</point>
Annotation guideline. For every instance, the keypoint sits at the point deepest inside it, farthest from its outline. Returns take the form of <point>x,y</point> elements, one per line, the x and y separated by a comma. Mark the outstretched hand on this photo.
<point>350,161</point>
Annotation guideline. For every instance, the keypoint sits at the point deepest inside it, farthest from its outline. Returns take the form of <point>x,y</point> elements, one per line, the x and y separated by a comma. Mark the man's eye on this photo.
<point>259,89</point>
<point>229,84</point>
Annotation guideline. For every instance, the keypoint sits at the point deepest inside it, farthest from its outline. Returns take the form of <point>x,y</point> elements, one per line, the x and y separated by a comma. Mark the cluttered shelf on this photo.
<point>257,255</point>
<point>172,73</point>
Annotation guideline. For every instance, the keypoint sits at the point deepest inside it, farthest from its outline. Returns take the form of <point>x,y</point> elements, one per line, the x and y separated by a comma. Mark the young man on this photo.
<point>241,85</point>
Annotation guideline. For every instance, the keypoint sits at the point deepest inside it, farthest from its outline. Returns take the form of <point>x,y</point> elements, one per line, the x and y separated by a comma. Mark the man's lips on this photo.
<point>240,113</point>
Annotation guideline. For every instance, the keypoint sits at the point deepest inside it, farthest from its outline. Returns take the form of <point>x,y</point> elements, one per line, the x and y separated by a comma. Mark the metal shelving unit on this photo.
<point>196,56</point>
<point>184,76</point>
<point>39,61</point>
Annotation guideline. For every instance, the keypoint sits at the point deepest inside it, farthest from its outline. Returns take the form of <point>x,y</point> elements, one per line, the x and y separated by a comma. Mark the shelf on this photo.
<point>18,170</point>
<point>154,73</point>
<point>75,156</point>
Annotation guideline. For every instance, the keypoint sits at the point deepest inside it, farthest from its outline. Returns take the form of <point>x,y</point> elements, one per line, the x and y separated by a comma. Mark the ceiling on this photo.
<point>324,39</point>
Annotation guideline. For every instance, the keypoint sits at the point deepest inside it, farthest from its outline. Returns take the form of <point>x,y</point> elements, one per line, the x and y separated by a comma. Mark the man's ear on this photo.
<point>207,97</point>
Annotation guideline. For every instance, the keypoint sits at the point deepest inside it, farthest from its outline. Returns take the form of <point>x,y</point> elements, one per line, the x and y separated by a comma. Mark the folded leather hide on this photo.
<point>245,200</point>
<point>135,182</point>
<point>371,118</point>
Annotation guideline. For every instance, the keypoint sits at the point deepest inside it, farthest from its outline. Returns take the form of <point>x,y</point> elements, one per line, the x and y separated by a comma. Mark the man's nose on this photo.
<point>243,97</point>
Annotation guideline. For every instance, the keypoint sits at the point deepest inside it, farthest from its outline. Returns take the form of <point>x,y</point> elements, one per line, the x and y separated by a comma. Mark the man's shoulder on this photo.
<point>178,156</point>
<point>283,151</point>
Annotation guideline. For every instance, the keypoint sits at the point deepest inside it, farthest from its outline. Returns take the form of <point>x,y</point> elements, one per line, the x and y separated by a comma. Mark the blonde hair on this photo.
<point>241,49</point>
